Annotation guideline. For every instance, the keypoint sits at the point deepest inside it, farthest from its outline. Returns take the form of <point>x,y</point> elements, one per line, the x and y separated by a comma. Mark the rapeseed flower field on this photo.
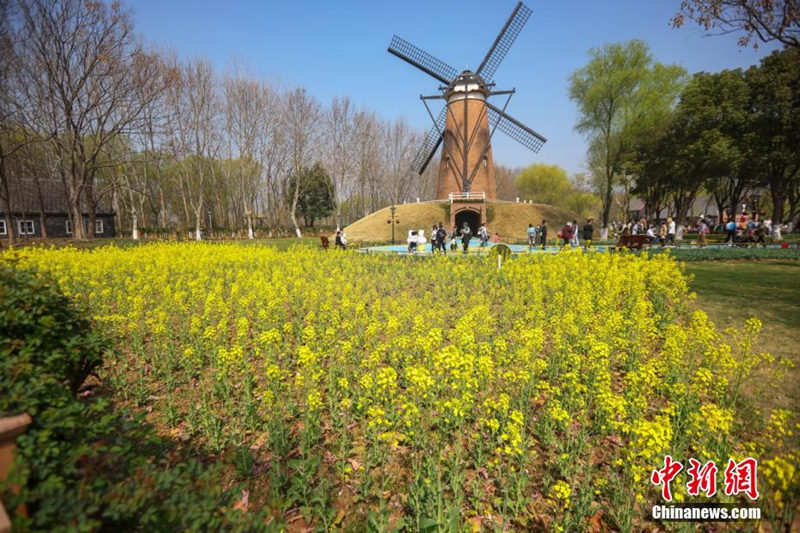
<point>353,391</point>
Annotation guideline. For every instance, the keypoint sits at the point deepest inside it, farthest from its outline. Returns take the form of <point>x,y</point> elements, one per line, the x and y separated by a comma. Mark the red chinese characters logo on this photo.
<point>742,477</point>
<point>701,478</point>
<point>665,476</point>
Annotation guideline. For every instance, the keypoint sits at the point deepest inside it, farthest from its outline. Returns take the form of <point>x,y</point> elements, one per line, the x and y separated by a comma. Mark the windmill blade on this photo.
<point>430,144</point>
<point>515,129</point>
<point>504,40</point>
<point>422,60</point>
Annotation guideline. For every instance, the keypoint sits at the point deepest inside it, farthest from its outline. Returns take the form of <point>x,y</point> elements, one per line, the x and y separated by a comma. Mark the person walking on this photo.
<point>575,242</point>
<point>730,232</point>
<point>531,236</point>
<point>566,233</point>
<point>483,234</point>
<point>703,232</point>
<point>588,232</point>
<point>441,238</point>
<point>466,235</point>
<point>341,240</point>
<point>413,241</point>
<point>453,236</point>
<point>670,231</point>
<point>761,233</point>
<point>662,233</point>
<point>543,234</point>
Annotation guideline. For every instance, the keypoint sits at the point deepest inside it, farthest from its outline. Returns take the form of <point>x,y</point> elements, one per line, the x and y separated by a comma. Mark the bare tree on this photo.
<point>399,180</point>
<point>9,117</point>
<point>195,136</point>
<point>764,20</point>
<point>367,153</point>
<point>302,117</point>
<point>144,179</point>
<point>84,68</point>
<point>247,113</point>
<point>15,132</point>
<point>273,156</point>
<point>341,157</point>
<point>506,179</point>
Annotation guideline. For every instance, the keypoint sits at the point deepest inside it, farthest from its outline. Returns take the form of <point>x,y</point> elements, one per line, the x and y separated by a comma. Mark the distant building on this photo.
<point>31,203</point>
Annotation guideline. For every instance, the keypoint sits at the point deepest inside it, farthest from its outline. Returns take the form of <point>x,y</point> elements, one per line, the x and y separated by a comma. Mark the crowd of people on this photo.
<point>442,239</point>
<point>743,229</point>
<point>570,234</point>
<point>662,232</point>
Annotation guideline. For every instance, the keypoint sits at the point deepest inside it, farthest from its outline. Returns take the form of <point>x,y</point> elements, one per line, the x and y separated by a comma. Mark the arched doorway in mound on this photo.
<point>471,217</point>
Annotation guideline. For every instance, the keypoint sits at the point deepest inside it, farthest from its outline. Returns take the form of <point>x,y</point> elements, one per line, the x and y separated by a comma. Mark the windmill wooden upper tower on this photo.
<point>468,120</point>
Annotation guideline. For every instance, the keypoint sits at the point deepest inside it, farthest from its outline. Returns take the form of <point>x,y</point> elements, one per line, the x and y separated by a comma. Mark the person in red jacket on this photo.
<point>567,232</point>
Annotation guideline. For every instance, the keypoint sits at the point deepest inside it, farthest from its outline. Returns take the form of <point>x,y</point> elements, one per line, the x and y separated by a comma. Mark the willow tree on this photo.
<point>620,92</point>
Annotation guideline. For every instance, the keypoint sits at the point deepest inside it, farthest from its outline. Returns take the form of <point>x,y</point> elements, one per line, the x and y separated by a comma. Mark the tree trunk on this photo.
<point>7,210</point>
<point>115,208</point>
<point>9,226</point>
<point>74,203</point>
<point>40,198</point>
<point>198,217</point>
<point>162,208</point>
<point>76,217</point>
<point>778,199</point>
<point>607,197</point>
<point>250,232</point>
<point>134,224</point>
<point>293,213</point>
<point>91,205</point>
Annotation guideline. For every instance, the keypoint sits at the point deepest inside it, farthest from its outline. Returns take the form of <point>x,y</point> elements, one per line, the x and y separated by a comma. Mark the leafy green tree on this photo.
<point>620,93</point>
<point>705,142</point>
<point>549,184</point>
<point>315,199</point>
<point>543,183</point>
<point>720,104</point>
<point>775,91</point>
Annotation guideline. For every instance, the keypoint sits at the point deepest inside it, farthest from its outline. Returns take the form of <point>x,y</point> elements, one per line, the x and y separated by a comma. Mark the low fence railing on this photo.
<point>466,196</point>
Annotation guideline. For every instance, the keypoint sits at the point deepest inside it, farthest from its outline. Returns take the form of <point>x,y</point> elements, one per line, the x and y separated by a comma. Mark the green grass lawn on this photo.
<point>732,291</point>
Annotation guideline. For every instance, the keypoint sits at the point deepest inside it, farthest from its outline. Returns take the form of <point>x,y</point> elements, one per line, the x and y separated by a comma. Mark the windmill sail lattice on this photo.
<point>515,129</point>
<point>504,40</point>
<point>430,144</point>
<point>422,60</point>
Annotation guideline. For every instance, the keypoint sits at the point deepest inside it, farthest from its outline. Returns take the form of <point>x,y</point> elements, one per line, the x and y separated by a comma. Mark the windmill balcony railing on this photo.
<point>467,197</point>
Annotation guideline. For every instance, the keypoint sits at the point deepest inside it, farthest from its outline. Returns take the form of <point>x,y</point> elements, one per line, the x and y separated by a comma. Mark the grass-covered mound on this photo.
<point>508,219</point>
<point>374,391</point>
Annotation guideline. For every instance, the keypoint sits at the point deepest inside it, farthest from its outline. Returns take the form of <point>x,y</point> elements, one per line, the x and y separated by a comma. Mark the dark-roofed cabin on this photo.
<point>30,203</point>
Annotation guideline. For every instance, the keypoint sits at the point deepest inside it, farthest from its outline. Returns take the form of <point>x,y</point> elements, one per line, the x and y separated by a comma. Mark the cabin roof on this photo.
<point>49,195</point>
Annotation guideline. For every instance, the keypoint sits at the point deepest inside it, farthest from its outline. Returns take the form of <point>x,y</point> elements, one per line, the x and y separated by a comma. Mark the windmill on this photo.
<point>467,122</point>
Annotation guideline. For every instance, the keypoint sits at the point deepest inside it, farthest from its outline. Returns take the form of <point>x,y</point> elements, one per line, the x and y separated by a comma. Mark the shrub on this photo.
<point>720,254</point>
<point>83,465</point>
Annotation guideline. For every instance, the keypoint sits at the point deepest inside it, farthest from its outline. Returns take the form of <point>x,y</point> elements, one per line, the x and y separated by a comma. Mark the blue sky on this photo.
<point>339,49</point>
